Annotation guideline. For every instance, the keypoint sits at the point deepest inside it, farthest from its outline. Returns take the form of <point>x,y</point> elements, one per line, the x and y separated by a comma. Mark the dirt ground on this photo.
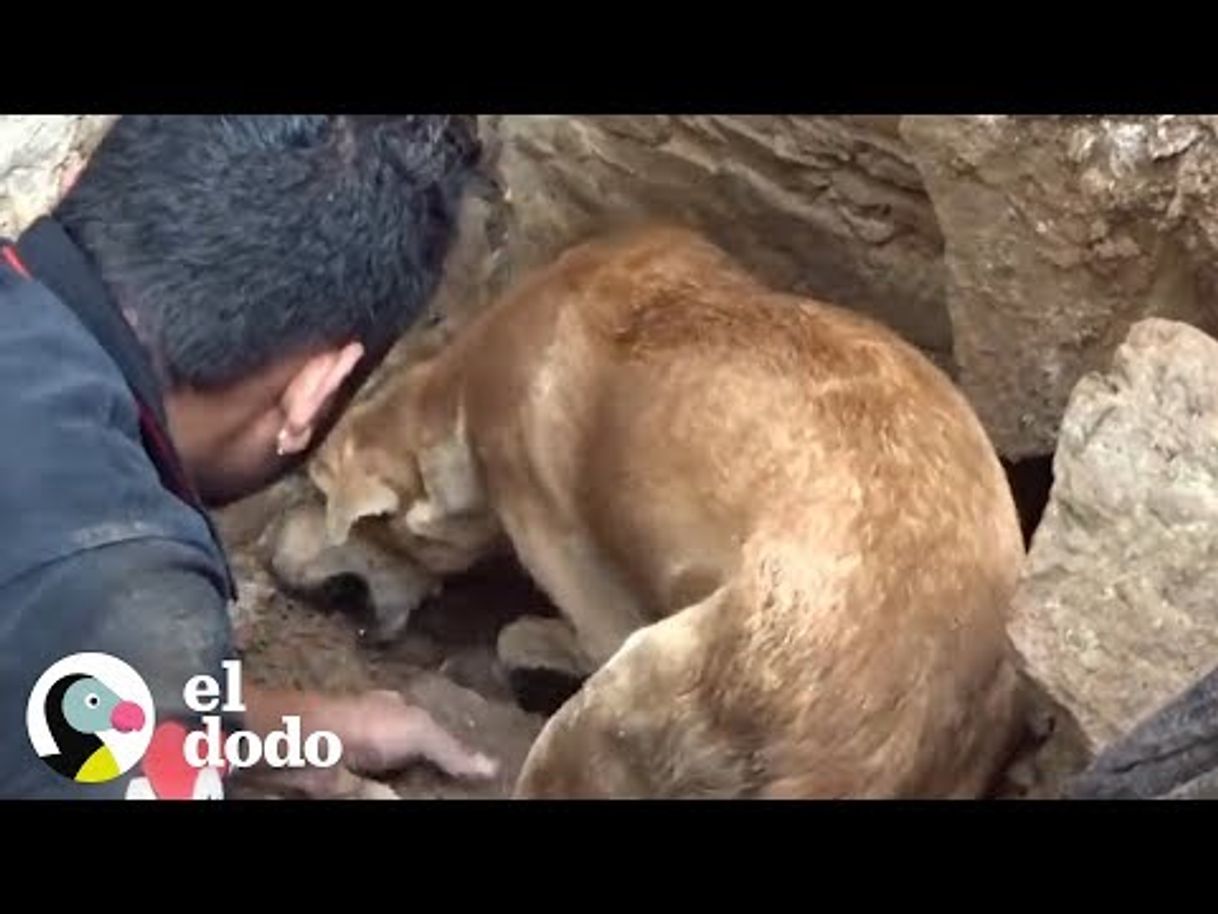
<point>445,663</point>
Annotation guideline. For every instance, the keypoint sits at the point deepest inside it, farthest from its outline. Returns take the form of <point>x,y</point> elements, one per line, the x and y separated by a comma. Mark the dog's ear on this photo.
<point>449,474</point>
<point>354,491</point>
<point>355,496</point>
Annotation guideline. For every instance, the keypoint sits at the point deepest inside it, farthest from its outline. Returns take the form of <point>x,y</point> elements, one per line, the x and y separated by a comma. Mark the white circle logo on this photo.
<point>90,717</point>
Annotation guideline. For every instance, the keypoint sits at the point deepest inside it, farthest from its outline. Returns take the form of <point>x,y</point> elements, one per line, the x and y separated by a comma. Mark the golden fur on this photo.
<point>780,534</point>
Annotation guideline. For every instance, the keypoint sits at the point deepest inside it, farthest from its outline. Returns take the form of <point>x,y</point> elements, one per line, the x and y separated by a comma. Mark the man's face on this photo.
<point>243,464</point>
<point>238,441</point>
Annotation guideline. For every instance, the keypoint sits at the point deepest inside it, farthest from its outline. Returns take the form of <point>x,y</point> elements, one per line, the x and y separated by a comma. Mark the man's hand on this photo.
<point>379,730</point>
<point>382,732</point>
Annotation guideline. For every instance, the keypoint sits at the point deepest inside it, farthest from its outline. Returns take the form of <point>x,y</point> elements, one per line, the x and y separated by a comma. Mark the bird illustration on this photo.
<point>77,708</point>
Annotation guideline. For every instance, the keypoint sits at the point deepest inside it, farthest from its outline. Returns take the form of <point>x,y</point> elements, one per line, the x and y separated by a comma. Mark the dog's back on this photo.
<point>779,532</point>
<point>806,510</point>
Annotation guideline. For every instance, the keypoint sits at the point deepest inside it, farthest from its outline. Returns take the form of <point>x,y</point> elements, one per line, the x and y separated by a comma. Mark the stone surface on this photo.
<point>37,152</point>
<point>477,668</point>
<point>1061,232</point>
<point>1173,753</point>
<point>1115,613</point>
<point>540,643</point>
<point>829,206</point>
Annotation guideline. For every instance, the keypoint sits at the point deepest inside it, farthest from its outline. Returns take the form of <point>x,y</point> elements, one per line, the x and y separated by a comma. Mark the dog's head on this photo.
<point>409,469</point>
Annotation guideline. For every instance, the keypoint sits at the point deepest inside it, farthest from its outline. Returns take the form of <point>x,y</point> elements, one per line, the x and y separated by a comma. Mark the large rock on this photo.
<point>36,153</point>
<point>1061,232</point>
<point>829,206</point>
<point>1116,611</point>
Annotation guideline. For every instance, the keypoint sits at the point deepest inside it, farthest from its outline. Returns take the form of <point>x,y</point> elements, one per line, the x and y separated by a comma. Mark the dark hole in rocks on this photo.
<point>346,594</point>
<point>474,606</point>
<point>1031,481</point>
<point>470,612</point>
<point>542,691</point>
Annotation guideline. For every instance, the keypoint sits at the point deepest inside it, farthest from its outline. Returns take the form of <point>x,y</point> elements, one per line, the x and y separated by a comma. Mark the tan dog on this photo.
<point>778,532</point>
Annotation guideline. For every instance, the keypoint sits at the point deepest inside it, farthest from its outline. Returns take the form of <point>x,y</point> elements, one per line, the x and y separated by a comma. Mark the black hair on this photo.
<point>232,241</point>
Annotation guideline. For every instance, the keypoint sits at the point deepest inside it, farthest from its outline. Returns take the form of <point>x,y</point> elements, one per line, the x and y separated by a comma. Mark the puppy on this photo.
<point>303,562</point>
<point>778,533</point>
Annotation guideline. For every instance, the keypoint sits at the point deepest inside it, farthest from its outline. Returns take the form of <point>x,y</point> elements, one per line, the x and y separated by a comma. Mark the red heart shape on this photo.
<point>165,765</point>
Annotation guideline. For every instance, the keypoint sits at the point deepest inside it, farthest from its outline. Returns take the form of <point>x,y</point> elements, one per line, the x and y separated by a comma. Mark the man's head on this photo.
<point>267,263</point>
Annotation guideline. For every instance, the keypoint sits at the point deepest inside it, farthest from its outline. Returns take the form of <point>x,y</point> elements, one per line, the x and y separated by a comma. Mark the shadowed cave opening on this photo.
<point>1031,481</point>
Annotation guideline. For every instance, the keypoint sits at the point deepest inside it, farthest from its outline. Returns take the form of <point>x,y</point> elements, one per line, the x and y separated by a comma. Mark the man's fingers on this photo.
<point>398,732</point>
<point>443,749</point>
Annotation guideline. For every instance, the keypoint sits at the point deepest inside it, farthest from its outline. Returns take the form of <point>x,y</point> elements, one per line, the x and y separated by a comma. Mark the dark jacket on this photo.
<point>103,545</point>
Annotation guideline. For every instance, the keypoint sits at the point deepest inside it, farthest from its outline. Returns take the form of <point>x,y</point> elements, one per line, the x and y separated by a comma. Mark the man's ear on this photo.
<point>310,390</point>
<point>353,495</point>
